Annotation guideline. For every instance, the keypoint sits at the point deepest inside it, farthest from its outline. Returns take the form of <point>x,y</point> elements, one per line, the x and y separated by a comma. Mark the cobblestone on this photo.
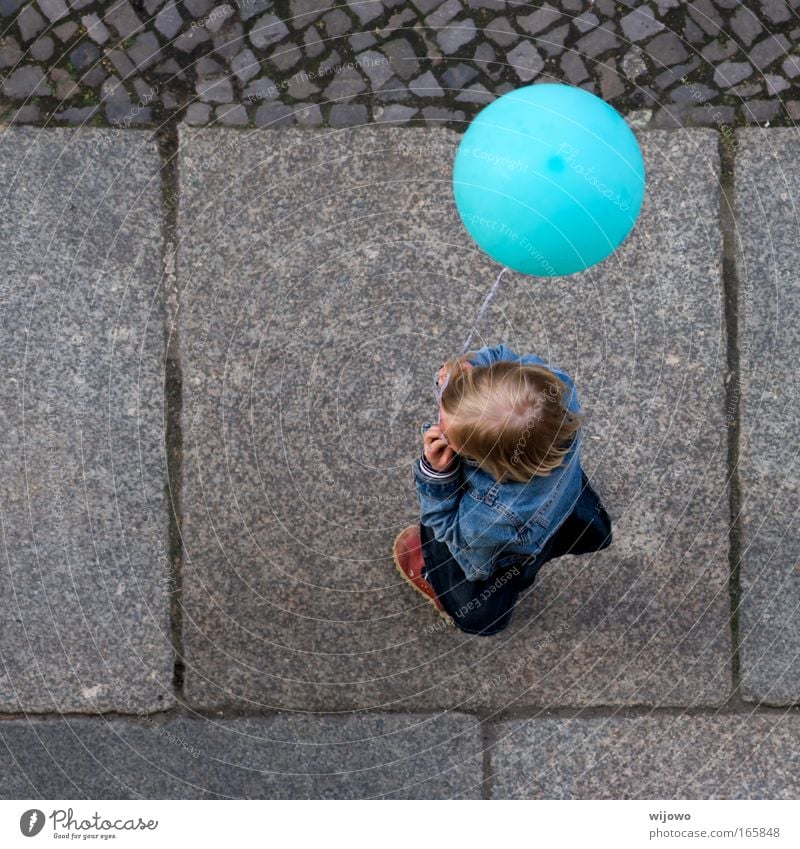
<point>361,40</point>
<point>611,85</point>
<point>10,54</point>
<point>707,17</point>
<point>668,49</point>
<point>367,10</point>
<point>719,50</point>
<point>402,57</point>
<point>25,82</point>
<point>745,25</point>
<point>730,73</point>
<point>775,84</point>
<point>145,51</point>
<point>115,99</point>
<point>573,67</point>
<point>640,24</point>
<point>791,66</point>
<point>459,76</point>
<point>668,78</point>
<point>395,113</point>
<point>267,30</point>
<point>475,94</point>
<point>440,115</point>
<point>190,40</point>
<point>501,31</point>
<point>230,40</point>
<point>121,18</point>
<point>443,14</point>
<point>775,10</point>
<point>526,60</point>
<point>95,28</point>
<point>198,8</point>
<point>336,23</point>
<point>453,38</point>
<point>30,23</point>
<point>215,90</point>
<point>552,42</point>
<point>539,20</point>
<point>197,113</point>
<point>274,115</point>
<point>426,86</point>
<point>309,116</point>
<point>375,66</point>
<point>54,10</point>
<point>42,48</point>
<point>348,115</point>
<point>85,55</point>
<point>762,110</point>
<point>346,83</point>
<point>245,66</point>
<point>169,21</point>
<point>586,21</point>
<point>763,53</point>
<point>697,93</point>
<point>256,7</point>
<point>597,41</point>
<point>231,114</point>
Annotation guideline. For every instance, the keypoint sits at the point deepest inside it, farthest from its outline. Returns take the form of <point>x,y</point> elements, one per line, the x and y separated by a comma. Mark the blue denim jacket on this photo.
<point>488,524</point>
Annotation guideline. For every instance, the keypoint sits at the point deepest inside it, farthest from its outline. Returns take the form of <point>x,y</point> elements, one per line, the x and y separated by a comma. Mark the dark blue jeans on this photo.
<point>485,607</point>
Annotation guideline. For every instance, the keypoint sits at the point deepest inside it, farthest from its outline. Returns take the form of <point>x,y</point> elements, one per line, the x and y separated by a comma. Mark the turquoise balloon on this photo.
<point>548,179</point>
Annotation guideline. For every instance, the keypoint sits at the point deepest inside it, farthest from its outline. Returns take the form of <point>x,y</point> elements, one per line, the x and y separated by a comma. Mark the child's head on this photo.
<point>511,417</point>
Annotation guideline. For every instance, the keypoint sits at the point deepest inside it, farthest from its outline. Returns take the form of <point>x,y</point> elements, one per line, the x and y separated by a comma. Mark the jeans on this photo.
<point>485,607</point>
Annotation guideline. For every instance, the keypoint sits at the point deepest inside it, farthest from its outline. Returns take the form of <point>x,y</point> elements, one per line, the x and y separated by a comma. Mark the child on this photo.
<point>500,487</point>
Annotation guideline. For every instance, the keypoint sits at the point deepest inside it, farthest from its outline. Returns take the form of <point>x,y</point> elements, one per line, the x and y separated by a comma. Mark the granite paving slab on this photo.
<point>324,277</point>
<point>766,190</point>
<point>709,756</point>
<point>84,582</point>
<point>388,756</point>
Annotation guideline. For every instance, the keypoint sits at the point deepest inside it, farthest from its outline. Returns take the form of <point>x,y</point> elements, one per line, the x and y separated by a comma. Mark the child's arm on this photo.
<point>444,510</point>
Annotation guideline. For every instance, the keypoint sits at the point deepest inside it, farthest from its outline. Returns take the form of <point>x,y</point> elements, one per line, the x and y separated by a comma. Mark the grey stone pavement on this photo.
<point>216,357</point>
<point>217,348</point>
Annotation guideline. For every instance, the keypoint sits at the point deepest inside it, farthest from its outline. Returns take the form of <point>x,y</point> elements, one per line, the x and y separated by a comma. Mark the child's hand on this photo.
<point>435,448</point>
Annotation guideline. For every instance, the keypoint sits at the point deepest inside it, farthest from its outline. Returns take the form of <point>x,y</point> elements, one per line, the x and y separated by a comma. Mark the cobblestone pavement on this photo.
<point>315,62</point>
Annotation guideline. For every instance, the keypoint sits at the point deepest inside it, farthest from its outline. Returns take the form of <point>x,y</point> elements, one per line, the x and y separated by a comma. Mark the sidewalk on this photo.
<point>226,339</point>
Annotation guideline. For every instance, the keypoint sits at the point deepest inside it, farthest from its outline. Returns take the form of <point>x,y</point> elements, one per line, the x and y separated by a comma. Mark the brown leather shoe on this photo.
<point>407,553</point>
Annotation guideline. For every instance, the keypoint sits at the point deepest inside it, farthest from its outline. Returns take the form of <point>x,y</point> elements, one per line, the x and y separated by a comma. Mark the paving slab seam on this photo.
<point>488,742</point>
<point>730,283</point>
<point>167,137</point>
<point>487,721</point>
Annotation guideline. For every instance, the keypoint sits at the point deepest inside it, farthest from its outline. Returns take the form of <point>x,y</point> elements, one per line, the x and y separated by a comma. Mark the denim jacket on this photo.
<point>488,524</point>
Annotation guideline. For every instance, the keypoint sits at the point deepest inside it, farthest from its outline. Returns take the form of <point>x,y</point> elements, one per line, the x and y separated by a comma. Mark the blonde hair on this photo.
<point>511,417</point>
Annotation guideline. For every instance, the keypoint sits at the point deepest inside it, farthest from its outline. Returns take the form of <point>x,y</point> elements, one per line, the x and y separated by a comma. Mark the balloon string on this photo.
<point>481,312</point>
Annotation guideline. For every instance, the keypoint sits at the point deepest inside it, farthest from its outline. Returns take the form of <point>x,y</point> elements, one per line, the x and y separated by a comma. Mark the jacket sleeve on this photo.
<point>443,509</point>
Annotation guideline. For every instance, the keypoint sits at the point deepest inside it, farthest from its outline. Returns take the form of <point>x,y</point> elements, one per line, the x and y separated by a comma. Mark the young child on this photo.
<point>500,486</point>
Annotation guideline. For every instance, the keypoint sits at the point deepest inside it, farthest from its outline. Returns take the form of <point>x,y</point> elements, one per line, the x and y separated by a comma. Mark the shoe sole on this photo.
<point>446,616</point>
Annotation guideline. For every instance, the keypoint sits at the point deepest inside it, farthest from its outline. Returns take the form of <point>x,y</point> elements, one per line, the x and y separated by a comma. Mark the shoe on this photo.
<point>407,554</point>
